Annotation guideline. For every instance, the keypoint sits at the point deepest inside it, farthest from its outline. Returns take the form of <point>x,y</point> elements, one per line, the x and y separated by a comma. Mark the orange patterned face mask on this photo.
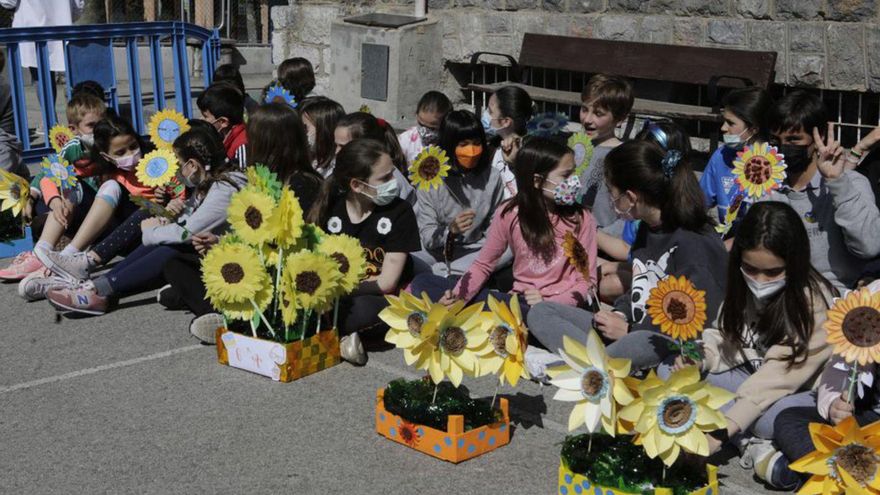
<point>468,156</point>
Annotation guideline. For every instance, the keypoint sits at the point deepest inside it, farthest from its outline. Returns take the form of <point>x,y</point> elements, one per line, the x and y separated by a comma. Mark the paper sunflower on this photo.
<point>456,338</point>
<point>59,135</point>
<point>155,209</point>
<point>730,215</point>
<point>59,171</point>
<point>14,191</point>
<point>406,316</point>
<point>577,255</point>
<point>508,338</point>
<point>286,222</point>
<point>315,278</point>
<point>234,277</point>
<point>429,168</point>
<point>582,146</point>
<point>845,461</point>
<point>547,124</point>
<point>674,415</point>
<point>166,126</point>
<point>250,215</point>
<point>595,382</point>
<point>289,305</point>
<point>349,254</point>
<point>853,327</point>
<point>260,177</point>
<point>157,168</point>
<point>759,169</point>
<point>278,94</point>
<point>678,308</point>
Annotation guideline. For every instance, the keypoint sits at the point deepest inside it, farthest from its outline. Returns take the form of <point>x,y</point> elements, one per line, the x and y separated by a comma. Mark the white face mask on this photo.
<point>128,162</point>
<point>734,141</point>
<point>385,193</point>
<point>625,215</point>
<point>763,290</point>
<point>87,140</point>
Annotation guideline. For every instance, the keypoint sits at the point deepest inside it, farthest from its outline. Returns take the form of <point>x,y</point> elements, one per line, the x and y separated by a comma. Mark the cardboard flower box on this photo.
<point>454,445</point>
<point>577,484</point>
<point>280,362</point>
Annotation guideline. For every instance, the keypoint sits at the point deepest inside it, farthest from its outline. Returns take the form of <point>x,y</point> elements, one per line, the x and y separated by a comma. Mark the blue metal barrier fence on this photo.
<point>88,55</point>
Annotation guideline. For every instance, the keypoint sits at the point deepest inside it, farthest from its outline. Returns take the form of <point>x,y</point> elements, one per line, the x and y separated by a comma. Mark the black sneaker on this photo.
<point>169,297</point>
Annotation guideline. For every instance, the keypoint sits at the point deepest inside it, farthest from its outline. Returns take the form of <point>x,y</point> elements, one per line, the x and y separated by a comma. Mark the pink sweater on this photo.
<point>558,281</point>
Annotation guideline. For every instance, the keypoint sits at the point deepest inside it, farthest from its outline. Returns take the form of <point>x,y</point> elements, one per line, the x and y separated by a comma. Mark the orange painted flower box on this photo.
<point>577,484</point>
<point>280,362</point>
<point>454,445</point>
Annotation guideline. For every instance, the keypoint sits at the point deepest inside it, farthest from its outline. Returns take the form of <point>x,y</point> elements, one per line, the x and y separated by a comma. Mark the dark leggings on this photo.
<point>183,271</point>
<point>122,239</point>
<point>435,286</point>
<point>141,270</point>
<point>361,314</point>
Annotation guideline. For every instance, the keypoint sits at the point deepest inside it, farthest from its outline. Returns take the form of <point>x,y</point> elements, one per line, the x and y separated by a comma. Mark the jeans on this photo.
<point>183,271</point>
<point>141,270</point>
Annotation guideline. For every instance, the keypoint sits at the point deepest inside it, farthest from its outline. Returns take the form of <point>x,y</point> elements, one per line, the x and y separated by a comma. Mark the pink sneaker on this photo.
<point>81,298</point>
<point>23,265</point>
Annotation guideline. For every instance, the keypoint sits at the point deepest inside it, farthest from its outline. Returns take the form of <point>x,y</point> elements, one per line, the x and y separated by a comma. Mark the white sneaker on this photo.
<point>205,327</point>
<point>352,349</point>
<point>72,266</point>
<point>537,361</point>
<point>35,286</point>
<point>757,452</point>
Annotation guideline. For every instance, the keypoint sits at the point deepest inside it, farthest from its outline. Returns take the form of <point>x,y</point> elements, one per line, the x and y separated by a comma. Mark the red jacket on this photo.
<point>236,138</point>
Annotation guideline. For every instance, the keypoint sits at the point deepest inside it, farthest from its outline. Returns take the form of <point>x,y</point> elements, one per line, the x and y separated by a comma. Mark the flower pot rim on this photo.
<point>455,422</point>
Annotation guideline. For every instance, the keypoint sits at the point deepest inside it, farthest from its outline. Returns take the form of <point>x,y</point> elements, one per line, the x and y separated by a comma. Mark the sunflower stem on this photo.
<point>305,323</point>
<point>663,481</point>
<point>253,328</point>
<point>263,317</point>
<point>492,406</point>
<point>590,444</point>
<point>853,377</point>
<point>434,399</point>
<point>335,311</point>
<point>278,274</point>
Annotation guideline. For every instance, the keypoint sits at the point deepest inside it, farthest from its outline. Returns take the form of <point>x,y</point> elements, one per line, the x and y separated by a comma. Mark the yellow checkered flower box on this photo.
<point>281,362</point>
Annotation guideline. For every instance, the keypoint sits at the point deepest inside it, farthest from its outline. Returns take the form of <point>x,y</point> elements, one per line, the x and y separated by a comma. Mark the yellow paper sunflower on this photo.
<point>406,316</point>
<point>674,415</point>
<point>429,168</point>
<point>508,338</point>
<point>315,278</point>
<point>457,338</point>
<point>582,146</point>
<point>845,461</point>
<point>234,277</point>
<point>853,327</point>
<point>157,168</point>
<point>14,191</point>
<point>59,171</point>
<point>261,178</point>
<point>165,127</point>
<point>678,308</point>
<point>289,305</point>
<point>250,215</point>
<point>349,254</point>
<point>286,223</point>
<point>59,135</point>
<point>577,255</point>
<point>759,169</point>
<point>595,382</point>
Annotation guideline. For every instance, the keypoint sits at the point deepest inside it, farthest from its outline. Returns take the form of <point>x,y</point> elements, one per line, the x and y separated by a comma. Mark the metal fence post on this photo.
<point>158,74</point>
<point>134,80</point>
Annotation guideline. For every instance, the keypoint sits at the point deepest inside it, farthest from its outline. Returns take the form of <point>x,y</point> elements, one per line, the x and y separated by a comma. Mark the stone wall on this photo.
<point>831,44</point>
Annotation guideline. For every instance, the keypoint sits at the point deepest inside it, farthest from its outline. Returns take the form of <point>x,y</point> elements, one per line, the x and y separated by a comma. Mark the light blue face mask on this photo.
<point>385,193</point>
<point>486,120</point>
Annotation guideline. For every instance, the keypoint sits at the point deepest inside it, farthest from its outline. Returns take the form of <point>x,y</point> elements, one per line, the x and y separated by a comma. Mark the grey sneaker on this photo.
<point>352,349</point>
<point>537,361</point>
<point>205,327</point>
<point>35,286</point>
<point>72,266</point>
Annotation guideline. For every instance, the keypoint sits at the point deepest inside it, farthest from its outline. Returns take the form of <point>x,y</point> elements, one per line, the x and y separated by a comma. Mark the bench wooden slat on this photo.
<point>672,63</point>
<point>640,106</point>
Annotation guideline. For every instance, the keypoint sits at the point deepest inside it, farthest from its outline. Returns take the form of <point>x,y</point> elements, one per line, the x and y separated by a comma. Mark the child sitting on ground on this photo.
<point>430,112</point>
<point>222,105</point>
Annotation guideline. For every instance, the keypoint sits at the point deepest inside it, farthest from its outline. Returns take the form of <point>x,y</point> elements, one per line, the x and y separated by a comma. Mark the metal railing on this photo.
<point>96,41</point>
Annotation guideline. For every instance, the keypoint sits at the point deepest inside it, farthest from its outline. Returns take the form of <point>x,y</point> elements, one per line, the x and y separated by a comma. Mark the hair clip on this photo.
<point>670,161</point>
<point>382,122</point>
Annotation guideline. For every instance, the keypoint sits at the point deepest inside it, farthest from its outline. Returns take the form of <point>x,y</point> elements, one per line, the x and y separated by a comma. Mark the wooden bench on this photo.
<point>706,67</point>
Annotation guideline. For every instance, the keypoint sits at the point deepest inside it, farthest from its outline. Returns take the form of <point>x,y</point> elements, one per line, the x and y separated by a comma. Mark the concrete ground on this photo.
<point>130,403</point>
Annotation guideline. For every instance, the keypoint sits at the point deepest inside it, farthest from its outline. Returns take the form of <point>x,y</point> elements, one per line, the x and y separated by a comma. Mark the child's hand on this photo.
<point>510,147</point>
<point>463,222</point>
<point>684,362</point>
<point>28,212</point>
<point>612,325</point>
<point>840,409</point>
<point>150,223</point>
<point>161,195</point>
<point>831,159</point>
<point>533,296</point>
<point>448,299</point>
<point>203,241</point>
<point>176,206</point>
<point>62,210</point>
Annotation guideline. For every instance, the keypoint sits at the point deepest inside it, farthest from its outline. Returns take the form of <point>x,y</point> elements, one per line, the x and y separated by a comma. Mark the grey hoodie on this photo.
<point>842,222</point>
<point>481,191</point>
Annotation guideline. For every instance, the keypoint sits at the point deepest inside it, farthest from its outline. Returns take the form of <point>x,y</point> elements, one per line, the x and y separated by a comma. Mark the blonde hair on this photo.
<point>83,104</point>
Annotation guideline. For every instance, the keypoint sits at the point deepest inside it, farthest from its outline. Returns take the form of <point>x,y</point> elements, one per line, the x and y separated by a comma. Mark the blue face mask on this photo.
<point>385,193</point>
<point>486,120</point>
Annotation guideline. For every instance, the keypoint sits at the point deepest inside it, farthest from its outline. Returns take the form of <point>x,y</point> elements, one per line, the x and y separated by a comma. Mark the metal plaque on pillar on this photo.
<point>374,71</point>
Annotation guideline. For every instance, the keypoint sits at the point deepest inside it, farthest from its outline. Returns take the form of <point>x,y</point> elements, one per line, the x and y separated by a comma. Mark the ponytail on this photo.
<point>353,162</point>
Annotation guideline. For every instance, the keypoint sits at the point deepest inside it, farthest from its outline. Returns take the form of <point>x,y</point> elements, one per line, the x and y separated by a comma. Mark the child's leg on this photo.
<point>645,348</point>
<point>183,272</point>
<point>764,426</point>
<point>549,322</point>
<point>361,314</point>
<point>433,285</point>
<point>99,215</point>
<point>141,270</point>
<point>125,237</point>
<point>614,280</point>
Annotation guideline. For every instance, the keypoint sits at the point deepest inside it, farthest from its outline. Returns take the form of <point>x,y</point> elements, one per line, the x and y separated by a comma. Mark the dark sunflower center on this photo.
<point>414,324</point>
<point>677,413</point>
<point>429,168</point>
<point>859,461</point>
<point>406,434</point>
<point>592,382</point>
<point>253,217</point>
<point>342,259</point>
<point>677,310</point>
<point>498,339</point>
<point>15,192</point>
<point>232,273</point>
<point>453,340</point>
<point>861,326</point>
<point>758,170</point>
<point>308,282</point>
<point>285,302</point>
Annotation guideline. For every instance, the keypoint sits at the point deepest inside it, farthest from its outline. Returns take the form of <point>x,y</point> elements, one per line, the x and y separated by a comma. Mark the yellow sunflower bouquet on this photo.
<point>273,270</point>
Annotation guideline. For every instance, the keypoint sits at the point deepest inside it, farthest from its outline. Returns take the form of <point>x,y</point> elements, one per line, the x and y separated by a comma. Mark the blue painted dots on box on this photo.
<point>492,441</point>
<point>437,448</point>
<point>461,443</point>
<point>472,448</point>
<point>578,489</point>
<point>586,484</point>
<point>382,417</point>
<point>563,490</point>
<point>482,435</point>
<point>447,441</point>
<point>567,479</point>
<point>393,431</point>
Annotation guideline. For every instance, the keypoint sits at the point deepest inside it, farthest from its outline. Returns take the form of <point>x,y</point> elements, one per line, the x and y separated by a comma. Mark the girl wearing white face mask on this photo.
<point>360,199</point>
<point>744,112</point>
<point>770,345</point>
<point>504,120</point>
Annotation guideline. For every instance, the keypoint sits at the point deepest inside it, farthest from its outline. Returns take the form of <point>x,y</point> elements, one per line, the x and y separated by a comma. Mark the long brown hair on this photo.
<point>537,158</point>
<point>325,114</point>
<point>277,139</point>
<point>364,125</point>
